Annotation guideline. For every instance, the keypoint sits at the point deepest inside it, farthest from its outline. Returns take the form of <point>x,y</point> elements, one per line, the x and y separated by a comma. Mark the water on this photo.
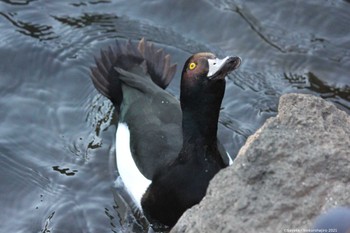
<point>57,133</point>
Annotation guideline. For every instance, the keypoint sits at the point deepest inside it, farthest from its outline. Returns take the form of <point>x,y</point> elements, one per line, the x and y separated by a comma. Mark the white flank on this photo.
<point>133,180</point>
<point>230,161</point>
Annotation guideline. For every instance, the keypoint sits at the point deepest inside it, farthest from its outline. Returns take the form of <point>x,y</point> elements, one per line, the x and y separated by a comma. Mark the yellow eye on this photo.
<point>192,65</point>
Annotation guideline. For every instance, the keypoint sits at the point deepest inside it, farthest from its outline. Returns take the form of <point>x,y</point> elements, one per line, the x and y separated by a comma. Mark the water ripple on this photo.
<point>37,31</point>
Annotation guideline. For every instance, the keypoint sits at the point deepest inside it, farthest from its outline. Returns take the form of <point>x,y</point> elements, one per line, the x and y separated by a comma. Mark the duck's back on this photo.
<point>154,120</point>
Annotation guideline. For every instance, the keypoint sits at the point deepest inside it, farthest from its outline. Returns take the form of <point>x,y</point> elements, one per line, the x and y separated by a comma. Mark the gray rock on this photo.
<point>295,167</point>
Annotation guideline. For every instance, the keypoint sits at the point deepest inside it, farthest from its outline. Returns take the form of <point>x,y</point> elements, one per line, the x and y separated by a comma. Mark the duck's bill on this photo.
<point>219,68</point>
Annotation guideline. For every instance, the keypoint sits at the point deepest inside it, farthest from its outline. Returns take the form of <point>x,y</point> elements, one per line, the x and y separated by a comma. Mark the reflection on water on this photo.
<point>37,31</point>
<point>57,132</point>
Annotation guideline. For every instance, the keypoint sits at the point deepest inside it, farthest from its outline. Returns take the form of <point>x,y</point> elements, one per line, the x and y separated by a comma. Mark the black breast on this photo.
<point>182,184</point>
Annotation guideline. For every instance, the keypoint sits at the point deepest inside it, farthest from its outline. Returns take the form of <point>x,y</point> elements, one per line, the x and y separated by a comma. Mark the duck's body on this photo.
<point>174,148</point>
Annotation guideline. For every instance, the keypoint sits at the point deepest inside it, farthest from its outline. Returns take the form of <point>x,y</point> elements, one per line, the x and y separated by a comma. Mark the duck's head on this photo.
<point>203,77</point>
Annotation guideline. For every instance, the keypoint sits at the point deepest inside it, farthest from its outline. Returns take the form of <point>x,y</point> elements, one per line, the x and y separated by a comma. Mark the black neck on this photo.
<point>200,115</point>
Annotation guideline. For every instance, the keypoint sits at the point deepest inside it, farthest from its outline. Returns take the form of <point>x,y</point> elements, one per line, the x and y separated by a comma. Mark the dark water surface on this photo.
<point>57,133</point>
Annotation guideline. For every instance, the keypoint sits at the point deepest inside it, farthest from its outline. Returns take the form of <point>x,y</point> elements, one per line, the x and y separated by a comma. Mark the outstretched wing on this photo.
<point>134,78</point>
<point>126,56</point>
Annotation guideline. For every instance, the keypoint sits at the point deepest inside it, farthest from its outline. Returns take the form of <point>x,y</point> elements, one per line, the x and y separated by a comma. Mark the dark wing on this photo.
<point>125,56</point>
<point>133,78</point>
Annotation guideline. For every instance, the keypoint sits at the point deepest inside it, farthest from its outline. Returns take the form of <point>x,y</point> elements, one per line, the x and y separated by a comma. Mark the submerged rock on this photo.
<point>295,167</point>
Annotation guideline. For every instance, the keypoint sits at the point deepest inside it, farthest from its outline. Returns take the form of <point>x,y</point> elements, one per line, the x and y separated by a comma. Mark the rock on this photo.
<point>295,167</point>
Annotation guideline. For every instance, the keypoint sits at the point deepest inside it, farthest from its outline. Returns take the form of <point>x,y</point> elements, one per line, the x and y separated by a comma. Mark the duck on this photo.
<point>167,148</point>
